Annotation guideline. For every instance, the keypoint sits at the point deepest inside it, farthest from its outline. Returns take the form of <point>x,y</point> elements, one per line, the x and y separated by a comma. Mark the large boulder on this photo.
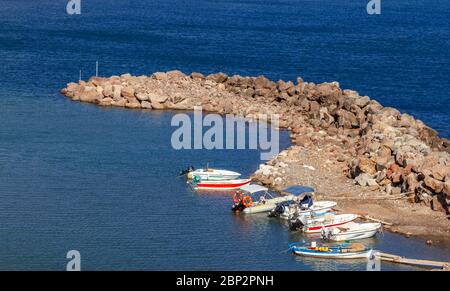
<point>326,117</point>
<point>218,77</point>
<point>406,120</point>
<point>411,182</point>
<point>119,102</point>
<point>327,89</point>
<point>365,179</point>
<point>117,92</point>
<point>439,172</point>
<point>159,76</point>
<point>446,188</point>
<point>72,86</point>
<point>108,90</point>
<point>366,165</point>
<point>440,203</point>
<point>361,102</point>
<point>142,96</point>
<point>105,101</point>
<point>146,105</point>
<point>175,74</point>
<point>262,82</point>
<point>90,94</point>
<point>284,86</point>
<point>133,103</point>
<point>346,119</point>
<point>157,100</point>
<point>372,107</point>
<point>433,184</point>
<point>128,92</point>
<point>198,76</point>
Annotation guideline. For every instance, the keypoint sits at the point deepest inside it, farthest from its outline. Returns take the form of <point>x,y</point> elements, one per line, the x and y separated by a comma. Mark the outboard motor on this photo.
<point>295,223</point>
<point>239,206</point>
<point>187,170</point>
<point>277,211</point>
<point>325,233</point>
<point>238,202</point>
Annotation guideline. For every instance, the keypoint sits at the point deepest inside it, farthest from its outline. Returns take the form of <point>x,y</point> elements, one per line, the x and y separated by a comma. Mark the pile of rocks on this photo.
<point>380,147</point>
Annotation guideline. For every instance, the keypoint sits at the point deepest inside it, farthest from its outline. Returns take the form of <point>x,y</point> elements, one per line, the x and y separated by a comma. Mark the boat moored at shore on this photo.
<point>210,174</point>
<point>303,204</point>
<point>244,199</point>
<point>332,251</point>
<point>199,184</point>
<point>351,231</point>
<point>316,224</point>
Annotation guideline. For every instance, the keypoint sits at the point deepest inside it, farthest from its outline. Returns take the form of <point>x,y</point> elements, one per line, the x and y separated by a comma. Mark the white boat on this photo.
<point>199,184</point>
<point>351,231</point>
<point>342,251</point>
<point>213,174</point>
<point>313,224</point>
<point>303,204</point>
<point>245,199</point>
<point>318,207</point>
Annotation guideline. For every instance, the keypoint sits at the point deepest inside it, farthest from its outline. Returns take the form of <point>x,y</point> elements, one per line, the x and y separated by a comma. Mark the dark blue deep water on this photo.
<point>102,180</point>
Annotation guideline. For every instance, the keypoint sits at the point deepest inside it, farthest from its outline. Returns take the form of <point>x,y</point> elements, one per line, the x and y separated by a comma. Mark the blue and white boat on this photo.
<point>332,251</point>
<point>302,205</point>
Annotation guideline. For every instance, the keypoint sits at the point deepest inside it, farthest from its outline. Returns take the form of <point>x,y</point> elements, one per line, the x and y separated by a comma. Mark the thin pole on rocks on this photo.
<point>96,68</point>
<point>80,76</point>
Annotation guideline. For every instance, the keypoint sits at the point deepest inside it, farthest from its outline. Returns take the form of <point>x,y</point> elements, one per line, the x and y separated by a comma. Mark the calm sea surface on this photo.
<point>103,180</point>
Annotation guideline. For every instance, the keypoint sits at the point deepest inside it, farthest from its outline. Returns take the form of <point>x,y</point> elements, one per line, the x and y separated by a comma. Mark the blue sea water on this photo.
<point>102,180</point>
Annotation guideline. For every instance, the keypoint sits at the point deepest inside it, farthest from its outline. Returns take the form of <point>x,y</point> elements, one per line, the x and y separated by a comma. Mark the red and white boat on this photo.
<point>220,185</point>
<point>317,224</point>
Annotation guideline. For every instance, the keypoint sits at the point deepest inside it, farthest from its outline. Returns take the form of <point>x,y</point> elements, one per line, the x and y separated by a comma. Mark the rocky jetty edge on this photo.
<point>375,159</point>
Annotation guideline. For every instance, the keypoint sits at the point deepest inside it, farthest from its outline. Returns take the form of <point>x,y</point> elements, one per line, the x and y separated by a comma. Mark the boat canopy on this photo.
<point>297,189</point>
<point>253,188</point>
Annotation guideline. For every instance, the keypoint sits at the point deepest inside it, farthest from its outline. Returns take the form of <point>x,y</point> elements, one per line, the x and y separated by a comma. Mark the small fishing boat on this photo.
<point>312,224</point>
<point>286,210</point>
<point>208,174</point>
<point>332,251</point>
<point>303,204</point>
<point>199,184</point>
<point>245,199</point>
<point>351,231</point>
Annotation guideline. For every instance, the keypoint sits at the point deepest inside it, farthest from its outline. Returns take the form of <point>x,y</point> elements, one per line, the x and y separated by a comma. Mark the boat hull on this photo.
<point>222,185</point>
<point>316,229</point>
<point>318,224</point>
<point>213,175</point>
<point>356,231</point>
<point>332,255</point>
<point>268,206</point>
<point>345,237</point>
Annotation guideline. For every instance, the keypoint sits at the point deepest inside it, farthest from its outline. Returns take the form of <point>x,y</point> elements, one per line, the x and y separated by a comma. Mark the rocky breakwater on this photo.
<point>380,148</point>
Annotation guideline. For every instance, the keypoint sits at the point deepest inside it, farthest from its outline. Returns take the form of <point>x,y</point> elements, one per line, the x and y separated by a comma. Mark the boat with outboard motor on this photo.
<point>303,204</point>
<point>332,251</point>
<point>208,174</point>
<point>200,184</point>
<point>351,231</point>
<point>312,224</point>
<point>246,199</point>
